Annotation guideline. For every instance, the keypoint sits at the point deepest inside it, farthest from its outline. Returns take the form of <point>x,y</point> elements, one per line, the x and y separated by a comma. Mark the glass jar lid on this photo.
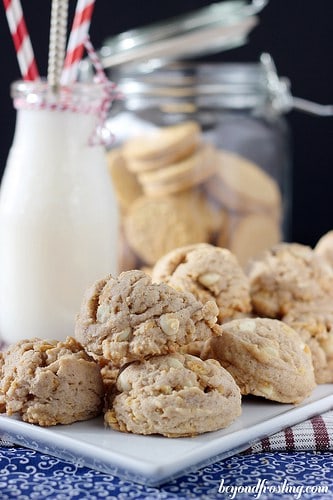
<point>219,26</point>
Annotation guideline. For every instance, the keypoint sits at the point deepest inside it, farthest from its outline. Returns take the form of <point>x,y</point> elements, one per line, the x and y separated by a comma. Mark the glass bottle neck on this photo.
<point>79,97</point>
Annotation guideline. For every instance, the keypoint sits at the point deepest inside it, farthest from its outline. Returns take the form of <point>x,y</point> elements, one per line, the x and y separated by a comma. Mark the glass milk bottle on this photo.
<point>58,218</point>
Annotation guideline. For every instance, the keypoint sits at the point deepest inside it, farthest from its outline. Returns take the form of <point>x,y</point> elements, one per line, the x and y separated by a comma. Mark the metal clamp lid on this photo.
<point>214,28</point>
<point>281,98</point>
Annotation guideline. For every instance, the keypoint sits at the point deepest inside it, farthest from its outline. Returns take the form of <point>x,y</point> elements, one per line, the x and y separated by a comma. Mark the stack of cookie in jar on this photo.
<point>174,189</point>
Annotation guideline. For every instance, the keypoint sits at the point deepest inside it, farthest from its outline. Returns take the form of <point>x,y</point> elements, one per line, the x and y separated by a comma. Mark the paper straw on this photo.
<point>57,44</point>
<point>77,37</point>
<point>21,39</point>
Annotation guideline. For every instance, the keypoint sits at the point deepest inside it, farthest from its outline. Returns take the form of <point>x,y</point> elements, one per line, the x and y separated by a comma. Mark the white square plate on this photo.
<point>153,460</point>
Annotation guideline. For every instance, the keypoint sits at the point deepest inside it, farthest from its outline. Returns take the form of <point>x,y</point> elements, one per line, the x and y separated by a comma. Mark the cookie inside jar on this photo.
<point>175,188</point>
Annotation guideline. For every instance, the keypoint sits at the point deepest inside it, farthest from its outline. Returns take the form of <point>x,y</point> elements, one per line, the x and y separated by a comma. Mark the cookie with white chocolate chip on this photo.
<point>209,273</point>
<point>314,323</point>
<point>266,358</point>
<point>286,275</point>
<point>49,382</point>
<point>130,318</point>
<point>324,247</point>
<point>174,395</point>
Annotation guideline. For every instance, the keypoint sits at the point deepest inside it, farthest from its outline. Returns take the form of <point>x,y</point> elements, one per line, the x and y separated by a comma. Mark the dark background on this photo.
<point>297,33</point>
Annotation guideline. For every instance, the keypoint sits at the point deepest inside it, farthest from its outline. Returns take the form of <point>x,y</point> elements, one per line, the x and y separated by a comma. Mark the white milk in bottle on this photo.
<point>58,218</point>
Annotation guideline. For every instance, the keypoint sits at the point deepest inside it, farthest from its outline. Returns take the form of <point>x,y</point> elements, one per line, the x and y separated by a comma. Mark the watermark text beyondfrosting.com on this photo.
<point>263,487</point>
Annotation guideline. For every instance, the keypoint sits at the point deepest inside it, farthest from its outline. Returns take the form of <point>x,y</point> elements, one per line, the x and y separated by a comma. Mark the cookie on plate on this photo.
<point>209,273</point>
<point>49,382</point>
<point>314,323</point>
<point>130,318</point>
<point>285,275</point>
<point>324,247</point>
<point>266,358</point>
<point>174,395</point>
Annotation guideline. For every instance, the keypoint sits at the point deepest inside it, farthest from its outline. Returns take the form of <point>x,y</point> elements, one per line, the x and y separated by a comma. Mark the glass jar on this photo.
<point>58,215</point>
<point>230,181</point>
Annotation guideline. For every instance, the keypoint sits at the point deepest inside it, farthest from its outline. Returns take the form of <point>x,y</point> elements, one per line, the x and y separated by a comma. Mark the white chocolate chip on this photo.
<point>174,362</point>
<point>247,325</point>
<point>165,389</point>
<point>195,359</point>
<point>195,364</point>
<point>327,345</point>
<point>190,383</point>
<point>103,313</point>
<point>266,390</point>
<point>209,279</point>
<point>123,383</point>
<point>210,310</point>
<point>271,351</point>
<point>306,349</point>
<point>123,335</point>
<point>169,324</point>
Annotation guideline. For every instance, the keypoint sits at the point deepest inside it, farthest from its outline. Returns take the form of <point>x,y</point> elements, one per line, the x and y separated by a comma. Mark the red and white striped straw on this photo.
<point>78,34</point>
<point>21,39</point>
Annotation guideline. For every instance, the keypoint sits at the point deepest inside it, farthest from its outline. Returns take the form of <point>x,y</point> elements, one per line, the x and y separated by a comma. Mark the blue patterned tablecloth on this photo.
<point>27,474</point>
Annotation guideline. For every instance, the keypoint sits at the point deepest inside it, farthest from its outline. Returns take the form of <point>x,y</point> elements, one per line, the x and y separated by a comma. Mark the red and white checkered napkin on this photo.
<point>315,434</point>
